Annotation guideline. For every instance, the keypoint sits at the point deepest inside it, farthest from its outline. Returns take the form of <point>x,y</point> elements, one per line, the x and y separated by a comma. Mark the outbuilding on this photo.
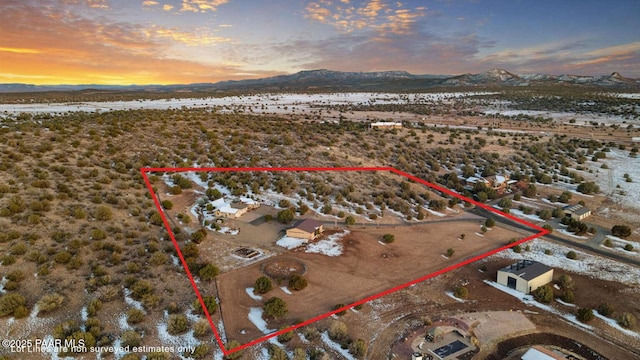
<point>307,229</point>
<point>577,211</point>
<point>525,275</point>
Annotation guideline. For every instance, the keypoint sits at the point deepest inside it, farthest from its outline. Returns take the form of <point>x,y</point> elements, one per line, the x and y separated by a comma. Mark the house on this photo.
<point>235,209</point>
<point>307,229</point>
<point>577,211</point>
<point>498,182</point>
<point>386,125</point>
<point>525,276</point>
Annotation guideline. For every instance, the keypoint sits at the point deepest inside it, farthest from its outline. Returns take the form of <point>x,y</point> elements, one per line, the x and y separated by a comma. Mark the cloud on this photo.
<point>383,16</point>
<point>202,5</point>
<point>167,7</point>
<point>19,50</point>
<point>199,37</point>
<point>65,47</point>
<point>150,3</point>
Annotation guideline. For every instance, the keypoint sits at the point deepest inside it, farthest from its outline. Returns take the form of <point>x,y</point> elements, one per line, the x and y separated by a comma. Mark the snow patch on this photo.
<point>252,295</point>
<point>290,242</point>
<point>255,316</point>
<point>329,246</point>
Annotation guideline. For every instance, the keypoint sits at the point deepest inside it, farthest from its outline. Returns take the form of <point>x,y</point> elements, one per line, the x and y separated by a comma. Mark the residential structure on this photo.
<point>307,229</point>
<point>235,208</point>
<point>538,352</point>
<point>577,211</point>
<point>525,275</point>
<point>386,125</point>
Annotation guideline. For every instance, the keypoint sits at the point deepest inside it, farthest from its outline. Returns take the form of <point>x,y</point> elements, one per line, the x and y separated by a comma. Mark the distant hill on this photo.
<point>358,81</point>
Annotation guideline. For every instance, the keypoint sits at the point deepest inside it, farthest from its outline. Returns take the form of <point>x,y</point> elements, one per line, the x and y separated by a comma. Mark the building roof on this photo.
<point>527,269</point>
<point>577,209</point>
<point>308,225</point>
<point>540,353</point>
<point>386,123</point>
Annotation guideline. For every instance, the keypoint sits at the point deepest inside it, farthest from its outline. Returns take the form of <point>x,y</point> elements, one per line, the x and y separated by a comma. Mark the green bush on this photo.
<point>543,294</point>
<point>208,272</point>
<point>627,320</point>
<point>567,296</point>
<point>572,255</point>
<point>584,315</point>
<point>297,282</point>
<point>606,309</point>
<point>135,316</point>
<point>168,205</point>
<point>621,231</point>
<point>49,303</point>
<point>177,324</point>
<point>262,285</point>
<point>388,238</point>
<point>10,302</point>
<point>461,292</point>
<point>275,307</point>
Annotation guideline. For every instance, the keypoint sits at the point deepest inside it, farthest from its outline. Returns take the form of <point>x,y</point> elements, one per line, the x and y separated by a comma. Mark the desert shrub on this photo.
<point>10,302</point>
<point>388,238</point>
<point>608,243</point>
<point>155,218</point>
<point>19,249</point>
<point>167,204</point>
<point>276,353</point>
<point>450,252</point>
<point>209,302</point>
<point>621,231</point>
<point>103,213</point>
<point>62,257</point>
<point>275,307</point>
<point>140,288</point>
<point>201,351</point>
<point>208,272</point>
<point>338,331</point>
<point>543,294</point>
<point>490,223</point>
<point>157,355</point>
<point>316,354</point>
<point>358,348</point>
<point>236,354</point>
<point>49,303</point>
<point>567,296</point>
<point>584,315</point>
<point>627,320</point>
<point>98,234</point>
<point>572,255</point>
<point>286,336</point>
<point>177,324</point>
<point>198,236</point>
<point>285,216</point>
<point>262,285</point>
<point>297,282</point>
<point>628,247</point>
<point>94,306</point>
<point>461,292</point>
<point>175,190</point>
<point>566,282</point>
<point>349,220</point>
<point>284,203</point>
<point>588,187</point>
<point>339,306</point>
<point>135,316</point>
<point>130,338</point>
<point>201,328</point>
<point>310,333</point>
<point>606,309</point>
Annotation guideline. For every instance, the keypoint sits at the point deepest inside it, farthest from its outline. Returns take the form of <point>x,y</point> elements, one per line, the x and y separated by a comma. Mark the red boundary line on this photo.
<point>226,351</point>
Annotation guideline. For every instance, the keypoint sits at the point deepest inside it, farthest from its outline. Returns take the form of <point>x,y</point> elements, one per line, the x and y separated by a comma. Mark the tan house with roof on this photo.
<point>525,275</point>
<point>307,229</point>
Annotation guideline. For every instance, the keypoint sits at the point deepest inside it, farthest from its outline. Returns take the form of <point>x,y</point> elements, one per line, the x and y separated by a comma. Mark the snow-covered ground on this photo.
<point>255,316</point>
<point>619,163</point>
<point>290,242</point>
<point>590,265</point>
<point>256,104</point>
<point>619,244</point>
<point>335,346</point>
<point>565,117</point>
<point>330,246</point>
<point>252,295</point>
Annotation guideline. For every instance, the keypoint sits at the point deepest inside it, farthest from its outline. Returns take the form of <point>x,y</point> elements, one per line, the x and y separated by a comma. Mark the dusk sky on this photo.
<point>188,41</point>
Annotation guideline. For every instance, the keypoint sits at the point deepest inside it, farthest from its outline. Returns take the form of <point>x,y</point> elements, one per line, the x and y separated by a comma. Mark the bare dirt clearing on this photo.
<point>365,268</point>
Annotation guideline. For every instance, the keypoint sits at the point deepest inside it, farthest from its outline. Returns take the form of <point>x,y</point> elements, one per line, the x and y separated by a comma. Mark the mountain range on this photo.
<point>358,81</point>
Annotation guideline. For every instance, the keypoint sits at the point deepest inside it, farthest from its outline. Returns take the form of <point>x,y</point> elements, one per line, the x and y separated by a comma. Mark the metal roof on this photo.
<point>527,269</point>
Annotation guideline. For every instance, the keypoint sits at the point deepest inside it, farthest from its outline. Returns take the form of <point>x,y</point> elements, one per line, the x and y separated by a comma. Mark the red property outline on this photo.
<point>144,172</point>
